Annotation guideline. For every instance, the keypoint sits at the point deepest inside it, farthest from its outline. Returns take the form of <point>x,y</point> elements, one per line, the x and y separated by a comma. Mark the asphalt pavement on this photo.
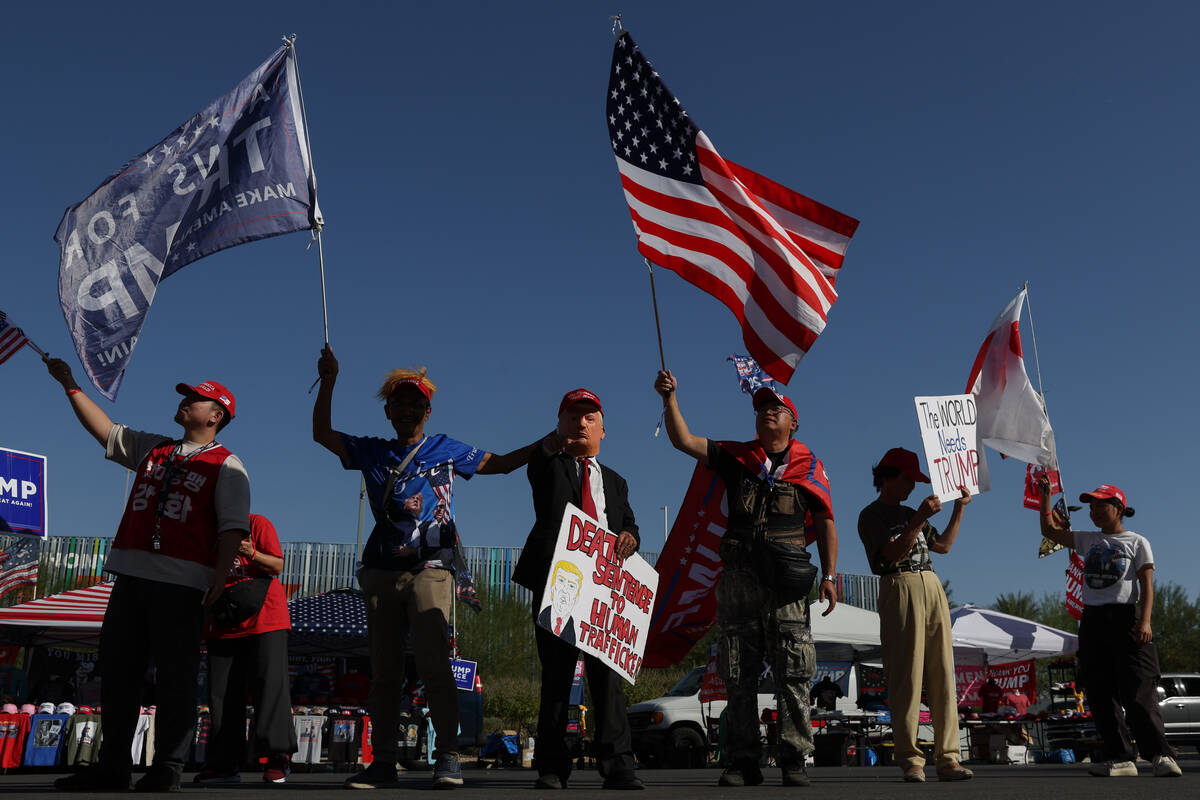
<point>1057,781</point>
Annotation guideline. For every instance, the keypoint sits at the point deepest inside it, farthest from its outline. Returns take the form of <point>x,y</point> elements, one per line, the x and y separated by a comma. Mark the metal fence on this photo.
<point>71,562</point>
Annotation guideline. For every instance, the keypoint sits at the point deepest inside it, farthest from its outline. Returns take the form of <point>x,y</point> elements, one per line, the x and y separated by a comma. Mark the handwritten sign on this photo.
<point>596,601</point>
<point>948,427</point>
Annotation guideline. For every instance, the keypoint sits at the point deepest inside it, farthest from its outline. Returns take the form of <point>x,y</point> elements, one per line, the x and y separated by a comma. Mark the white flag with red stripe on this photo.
<point>1012,416</point>
<point>769,254</point>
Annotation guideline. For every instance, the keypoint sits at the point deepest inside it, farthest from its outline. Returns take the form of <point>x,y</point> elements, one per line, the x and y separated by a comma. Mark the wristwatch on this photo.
<point>830,578</point>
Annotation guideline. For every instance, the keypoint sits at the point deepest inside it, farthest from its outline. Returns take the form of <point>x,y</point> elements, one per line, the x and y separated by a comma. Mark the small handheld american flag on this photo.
<point>12,339</point>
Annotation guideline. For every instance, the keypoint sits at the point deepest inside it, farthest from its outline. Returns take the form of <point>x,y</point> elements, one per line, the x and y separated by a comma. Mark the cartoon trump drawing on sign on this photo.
<point>564,592</point>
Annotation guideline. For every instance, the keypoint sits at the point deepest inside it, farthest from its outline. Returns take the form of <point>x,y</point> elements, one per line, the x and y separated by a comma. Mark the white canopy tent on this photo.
<point>983,636</point>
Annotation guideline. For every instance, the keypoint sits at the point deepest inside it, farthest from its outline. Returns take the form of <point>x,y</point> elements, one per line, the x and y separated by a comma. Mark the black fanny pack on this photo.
<point>787,567</point>
<point>240,602</point>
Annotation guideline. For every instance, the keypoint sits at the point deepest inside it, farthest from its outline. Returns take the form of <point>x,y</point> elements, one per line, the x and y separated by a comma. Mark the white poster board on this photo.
<point>948,429</point>
<point>595,601</point>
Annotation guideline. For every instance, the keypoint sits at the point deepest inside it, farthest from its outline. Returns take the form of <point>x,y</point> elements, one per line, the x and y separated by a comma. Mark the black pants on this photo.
<point>607,720</point>
<point>148,620</point>
<point>258,665</point>
<point>1118,674</point>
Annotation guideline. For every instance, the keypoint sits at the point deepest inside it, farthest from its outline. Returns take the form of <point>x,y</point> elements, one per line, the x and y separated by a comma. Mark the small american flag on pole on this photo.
<point>12,338</point>
<point>769,254</point>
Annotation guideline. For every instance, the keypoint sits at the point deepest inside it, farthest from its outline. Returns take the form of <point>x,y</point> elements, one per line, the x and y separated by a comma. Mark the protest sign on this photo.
<point>22,493</point>
<point>1015,677</point>
<point>464,673</point>
<point>948,428</point>
<point>1075,586</point>
<point>1033,495</point>
<point>712,685</point>
<point>596,601</point>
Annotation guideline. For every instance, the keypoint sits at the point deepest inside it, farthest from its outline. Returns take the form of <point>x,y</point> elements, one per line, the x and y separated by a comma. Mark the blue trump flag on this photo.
<point>237,171</point>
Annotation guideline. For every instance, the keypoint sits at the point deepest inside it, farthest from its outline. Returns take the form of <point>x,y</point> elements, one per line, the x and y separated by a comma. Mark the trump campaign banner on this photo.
<point>237,171</point>
<point>1018,677</point>
<point>948,430</point>
<point>596,601</point>
<point>22,493</point>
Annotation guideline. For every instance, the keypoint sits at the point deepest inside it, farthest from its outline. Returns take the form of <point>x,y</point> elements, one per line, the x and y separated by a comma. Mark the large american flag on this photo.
<point>12,338</point>
<point>18,564</point>
<point>769,254</point>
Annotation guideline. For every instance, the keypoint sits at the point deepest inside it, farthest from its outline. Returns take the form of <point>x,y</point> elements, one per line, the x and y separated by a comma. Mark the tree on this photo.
<point>1017,604</point>
<point>1176,625</point>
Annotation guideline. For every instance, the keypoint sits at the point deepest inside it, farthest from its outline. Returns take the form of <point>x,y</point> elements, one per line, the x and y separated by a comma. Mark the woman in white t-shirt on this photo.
<point>1118,662</point>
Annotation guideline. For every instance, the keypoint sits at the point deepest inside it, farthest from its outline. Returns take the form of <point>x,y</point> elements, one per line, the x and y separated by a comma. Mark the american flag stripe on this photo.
<point>11,340</point>
<point>769,254</point>
<point>22,576</point>
<point>705,241</point>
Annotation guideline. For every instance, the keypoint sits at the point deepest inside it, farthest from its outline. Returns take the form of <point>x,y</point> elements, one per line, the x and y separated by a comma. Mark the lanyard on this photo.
<point>169,476</point>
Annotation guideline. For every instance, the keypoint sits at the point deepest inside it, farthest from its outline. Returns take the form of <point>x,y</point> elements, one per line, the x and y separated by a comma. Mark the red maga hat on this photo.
<point>906,461</point>
<point>580,396</point>
<point>768,396</point>
<point>210,390</point>
<point>1106,491</point>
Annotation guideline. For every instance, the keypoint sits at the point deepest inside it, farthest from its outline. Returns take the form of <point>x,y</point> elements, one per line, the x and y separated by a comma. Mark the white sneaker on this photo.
<point>1114,769</point>
<point>1165,767</point>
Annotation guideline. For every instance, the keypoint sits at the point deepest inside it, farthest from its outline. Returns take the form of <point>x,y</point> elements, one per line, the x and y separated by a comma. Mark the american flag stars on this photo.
<point>644,118</point>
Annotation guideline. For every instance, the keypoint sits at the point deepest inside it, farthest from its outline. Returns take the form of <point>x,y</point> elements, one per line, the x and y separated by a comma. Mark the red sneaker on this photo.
<point>278,768</point>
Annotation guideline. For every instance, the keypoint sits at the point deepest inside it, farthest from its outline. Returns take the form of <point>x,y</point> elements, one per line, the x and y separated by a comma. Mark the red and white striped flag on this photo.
<point>769,254</point>
<point>12,338</point>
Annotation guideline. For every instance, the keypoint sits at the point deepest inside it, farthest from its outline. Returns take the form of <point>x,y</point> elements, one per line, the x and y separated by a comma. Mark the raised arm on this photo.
<point>945,541</point>
<point>898,548</point>
<point>323,432</point>
<point>677,430</point>
<point>90,416</point>
<point>1063,538</point>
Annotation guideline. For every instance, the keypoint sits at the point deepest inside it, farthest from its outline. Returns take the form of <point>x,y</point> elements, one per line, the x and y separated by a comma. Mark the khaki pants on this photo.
<point>914,628</point>
<point>399,603</point>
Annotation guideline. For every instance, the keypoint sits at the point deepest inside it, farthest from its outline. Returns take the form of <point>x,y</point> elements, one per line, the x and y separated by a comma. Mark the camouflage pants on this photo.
<point>752,627</point>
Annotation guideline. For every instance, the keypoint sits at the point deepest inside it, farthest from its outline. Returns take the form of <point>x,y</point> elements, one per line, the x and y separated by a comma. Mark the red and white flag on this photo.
<point>1012,416</point>
<point>769,254</point>
<point>12,338</point>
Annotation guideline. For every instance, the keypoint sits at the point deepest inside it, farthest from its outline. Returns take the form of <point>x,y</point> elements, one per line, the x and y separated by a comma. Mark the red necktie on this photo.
<point>585,489</point>
<point>557,625</point>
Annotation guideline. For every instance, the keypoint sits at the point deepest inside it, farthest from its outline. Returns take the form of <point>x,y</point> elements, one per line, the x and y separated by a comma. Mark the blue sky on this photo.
<point>476,225</point>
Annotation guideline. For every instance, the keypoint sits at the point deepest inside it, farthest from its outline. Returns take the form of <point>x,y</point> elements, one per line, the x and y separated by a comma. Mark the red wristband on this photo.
<point>73,391</point>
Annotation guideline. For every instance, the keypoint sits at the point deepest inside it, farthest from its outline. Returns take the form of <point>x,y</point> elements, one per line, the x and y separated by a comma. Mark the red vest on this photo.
<point>188,529</point>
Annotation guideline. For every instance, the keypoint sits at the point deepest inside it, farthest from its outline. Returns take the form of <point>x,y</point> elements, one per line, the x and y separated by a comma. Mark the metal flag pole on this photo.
<point>1041,391</point>
<point>657,326</point>
<point>318,224</point>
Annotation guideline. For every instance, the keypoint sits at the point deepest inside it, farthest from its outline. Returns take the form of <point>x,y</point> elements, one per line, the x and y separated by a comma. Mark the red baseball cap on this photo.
<point>210,390</point>
<point>767,396</point>
<point>580,396</point>
<point>1106,491</point>
<point>906,461</point>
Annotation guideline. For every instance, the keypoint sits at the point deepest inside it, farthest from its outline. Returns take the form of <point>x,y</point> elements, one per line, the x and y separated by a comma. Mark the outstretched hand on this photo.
<point>61,372</point>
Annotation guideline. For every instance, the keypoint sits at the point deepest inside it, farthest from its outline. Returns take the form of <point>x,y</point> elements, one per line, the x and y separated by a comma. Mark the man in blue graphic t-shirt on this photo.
<point>407,564</point>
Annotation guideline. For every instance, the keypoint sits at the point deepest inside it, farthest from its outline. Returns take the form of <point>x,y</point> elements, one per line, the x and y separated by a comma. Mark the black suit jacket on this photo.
<point>568,629</point>
<point>555,482</point>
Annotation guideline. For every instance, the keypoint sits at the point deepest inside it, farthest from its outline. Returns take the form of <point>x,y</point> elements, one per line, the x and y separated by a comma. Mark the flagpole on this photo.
<point>1042,393</point>
<point>657,326</point>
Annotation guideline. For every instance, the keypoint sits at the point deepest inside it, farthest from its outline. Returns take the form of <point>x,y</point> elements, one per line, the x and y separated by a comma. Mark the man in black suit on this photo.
<point>564,470</point>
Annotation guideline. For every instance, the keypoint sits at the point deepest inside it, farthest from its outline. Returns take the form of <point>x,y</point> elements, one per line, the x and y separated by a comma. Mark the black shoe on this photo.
<point>376,776</point>
<point>550,781</point>
<point>624,779</point>
<point>93,779</point>
<point>795,775</point>
<point>158,779</point>
<point>742,773</point>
